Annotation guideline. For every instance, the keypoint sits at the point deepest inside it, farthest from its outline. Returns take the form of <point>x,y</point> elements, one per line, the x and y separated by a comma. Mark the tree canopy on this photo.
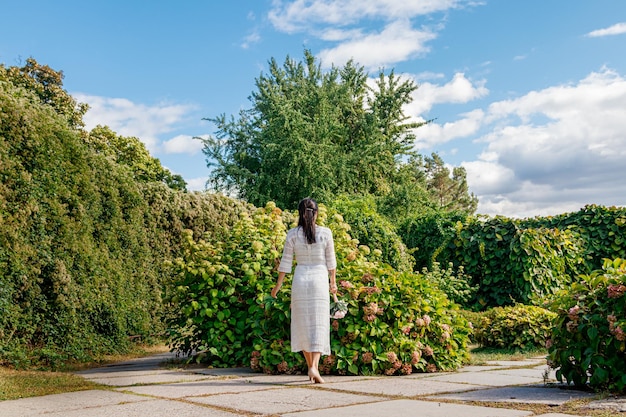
<point>322,134</point>
<point>313,133</point>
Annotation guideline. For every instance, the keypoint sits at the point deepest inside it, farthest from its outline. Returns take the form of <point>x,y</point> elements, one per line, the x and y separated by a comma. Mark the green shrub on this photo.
<point>398,322</point>
<point>456,285</point>
<point>514,327</point>
<point>588,342</point>
<point>374,230</point>
<point>427,235</point>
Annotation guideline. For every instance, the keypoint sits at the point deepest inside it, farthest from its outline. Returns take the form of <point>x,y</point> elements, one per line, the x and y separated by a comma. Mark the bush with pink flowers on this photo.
<point>588,342</point>
<point>395,322</point>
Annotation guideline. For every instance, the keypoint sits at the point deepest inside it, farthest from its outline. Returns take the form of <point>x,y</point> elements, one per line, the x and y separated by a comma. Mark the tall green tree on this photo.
<point>313,133</point>
<point>449,191</point>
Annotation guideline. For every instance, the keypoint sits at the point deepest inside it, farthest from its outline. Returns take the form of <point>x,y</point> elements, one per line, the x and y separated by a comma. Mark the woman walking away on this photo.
<point>314,251</point>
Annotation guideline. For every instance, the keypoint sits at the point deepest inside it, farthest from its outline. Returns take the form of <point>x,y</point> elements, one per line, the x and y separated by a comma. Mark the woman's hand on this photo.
<point>333,288</point>
<point>275,290</point>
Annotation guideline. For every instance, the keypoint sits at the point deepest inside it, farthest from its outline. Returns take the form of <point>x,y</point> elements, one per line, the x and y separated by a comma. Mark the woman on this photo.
<point>314,250</point>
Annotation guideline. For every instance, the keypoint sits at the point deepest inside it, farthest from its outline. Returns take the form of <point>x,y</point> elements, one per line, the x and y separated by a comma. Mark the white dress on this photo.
<point>310,298</point>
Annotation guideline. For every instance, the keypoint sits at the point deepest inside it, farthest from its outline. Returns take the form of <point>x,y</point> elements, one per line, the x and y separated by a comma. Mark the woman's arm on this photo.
<point>333,280</point>
<point>279,283</point>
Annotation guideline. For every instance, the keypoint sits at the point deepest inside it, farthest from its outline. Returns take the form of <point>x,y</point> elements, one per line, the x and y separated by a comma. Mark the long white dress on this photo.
<point>310,298</point>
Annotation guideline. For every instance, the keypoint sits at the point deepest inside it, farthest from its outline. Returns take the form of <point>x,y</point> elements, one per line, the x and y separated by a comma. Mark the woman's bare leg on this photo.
<point>315,360</point>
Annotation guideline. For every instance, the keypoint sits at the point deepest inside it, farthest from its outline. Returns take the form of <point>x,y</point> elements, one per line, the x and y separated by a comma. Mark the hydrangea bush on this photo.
<point>514,327</point>
<point>395,323</point>
<point>588,342</point>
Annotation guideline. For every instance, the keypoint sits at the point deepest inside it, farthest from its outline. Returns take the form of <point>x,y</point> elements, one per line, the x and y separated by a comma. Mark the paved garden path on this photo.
<point>148,387</point>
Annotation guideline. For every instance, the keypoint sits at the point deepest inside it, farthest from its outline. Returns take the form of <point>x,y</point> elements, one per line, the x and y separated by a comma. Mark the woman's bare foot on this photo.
<point>315,376</point>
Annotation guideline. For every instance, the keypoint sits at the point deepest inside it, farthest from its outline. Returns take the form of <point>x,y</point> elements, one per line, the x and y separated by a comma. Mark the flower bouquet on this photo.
<point>338,308</point>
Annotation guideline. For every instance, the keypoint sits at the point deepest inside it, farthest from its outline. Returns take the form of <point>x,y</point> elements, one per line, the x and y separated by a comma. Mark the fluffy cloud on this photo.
<point>458,90</point>
<point>349,23</point>
<point>197,184</point>
<point>559,148</point>
<point>397,42</point>
<point>616,29</point>
<point>183,144</point>
<point>132,119</point>
<point>305,15</point>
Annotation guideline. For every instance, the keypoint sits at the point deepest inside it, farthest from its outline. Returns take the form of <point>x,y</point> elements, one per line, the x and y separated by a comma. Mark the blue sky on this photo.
<point>529,96</point>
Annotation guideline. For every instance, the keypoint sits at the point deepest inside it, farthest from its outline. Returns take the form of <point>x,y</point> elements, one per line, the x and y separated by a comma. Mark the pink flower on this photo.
<point>611,318</point>
<point>346,284</point>
<point>371,308</point>
<point>392,357</point>
<point>616,290</point>
<point>431,367</point>
<point>406,369</point>
<point>367,277</point>
<point>282,367</point>
<point>406,330</point>
<point>573,313</point>
<point>330,360</point>
<point>335,325</point>
<point>571,326</point>
<point>427,319</point>
<point>415,357</point>
<point>427,351</point>
<point>367,357</point>
<point>420,322</point>
<point>339,314</point>
<point>369,317</point>
<point>549,343</point>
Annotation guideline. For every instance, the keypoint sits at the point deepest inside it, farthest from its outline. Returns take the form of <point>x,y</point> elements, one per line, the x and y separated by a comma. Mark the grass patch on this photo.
<point>482,355</point>
<point>16,384</point>
<point>21,384</point>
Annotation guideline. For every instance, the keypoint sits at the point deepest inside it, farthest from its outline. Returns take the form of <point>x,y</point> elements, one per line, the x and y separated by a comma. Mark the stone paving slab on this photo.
<point>513,364</point>
<point>64,403</point>
<point>153,378</point>
<point>241,372</point>
<point>556,415</point>
<point>411,408</point>
<point>198,388</point>
<point>399,386</point>
<point>527,372</point>
<point>538,394</point>
<point>304,380</point>
<point>487,379</point>
<point>479,368</point>
<point>613,404</point>
<point>153,408</point>
<point>284,400</point>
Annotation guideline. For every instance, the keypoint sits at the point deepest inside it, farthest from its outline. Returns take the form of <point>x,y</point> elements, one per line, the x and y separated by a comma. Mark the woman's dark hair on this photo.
<point>307,209</point>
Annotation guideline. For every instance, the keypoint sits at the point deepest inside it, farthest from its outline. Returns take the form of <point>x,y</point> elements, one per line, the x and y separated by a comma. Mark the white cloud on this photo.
<point>183,144</point>
<point>197,184</point>
<point>616,29</point>
<point>397,42</point>
<point>251,39</point>
<point>553,150</point>
<point>132,119</point>
<point>302,15</point>
<point>350,23</point>
<point>431,134</point>
<point>458,90</point>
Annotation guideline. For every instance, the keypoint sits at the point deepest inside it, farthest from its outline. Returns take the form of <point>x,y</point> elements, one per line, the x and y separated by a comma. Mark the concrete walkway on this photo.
<point>145,387</point>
